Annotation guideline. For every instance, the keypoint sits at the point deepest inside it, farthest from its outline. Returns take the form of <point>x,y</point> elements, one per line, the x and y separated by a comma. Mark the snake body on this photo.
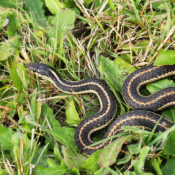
<point>108,105</point>
<point>157,101</point>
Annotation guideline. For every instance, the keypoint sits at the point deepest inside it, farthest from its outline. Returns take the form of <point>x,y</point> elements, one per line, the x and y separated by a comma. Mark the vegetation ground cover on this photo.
<point>101,39</point>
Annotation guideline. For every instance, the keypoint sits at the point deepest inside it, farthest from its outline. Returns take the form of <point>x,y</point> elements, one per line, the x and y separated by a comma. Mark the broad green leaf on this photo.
<point>19,77</point>
<point>123,65</point>
<point>15,77</point>
<point>10,19</point>
<point>98,3</point>
<point>169,167</point>
<point>75,171</point>
<point>64,20</point>
<point>111,151</point>
<point>158,85</point>
<point>57,153</point>
<point>115,71</point>
<point>31,120</point>
<point>142,46</point>
<point>9,3</point>
<point>40,154</point>
<point>7,48</point>
<point>169,144</point>
<point>48,112</point>
<point>3,172</point>
<point>48,139</point>
<point>139,163</point>
<point>8,138</point>
<point>33,104</point>
<point>156,5</point>
<point>6,11</point>
<point>87,2</point>
<point>105,171</point>
<point>22,71</point>
<point>135,148</point>
<point>156,162</point>
<point>21,115</point>
<point>73,159</point>
<point>91,163</point>
<point>165,58</point>
<point>169,113</point>
<point>124,160</point>
<point>126,57</point>
<point>36,7</point>
<point>54,5</point>
<point>35,107</point>
<point>72,116</point>
<point>64,135</point>
<point>99,172</point>
<point>53,169</point>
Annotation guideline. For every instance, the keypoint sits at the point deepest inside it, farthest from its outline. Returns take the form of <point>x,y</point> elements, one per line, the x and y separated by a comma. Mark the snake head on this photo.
<point>38,68</point>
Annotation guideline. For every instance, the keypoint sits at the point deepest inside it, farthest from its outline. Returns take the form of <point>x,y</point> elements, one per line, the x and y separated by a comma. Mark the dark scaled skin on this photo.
<point>139,118</point>
<point>156,101</point>
<point>82,137</point>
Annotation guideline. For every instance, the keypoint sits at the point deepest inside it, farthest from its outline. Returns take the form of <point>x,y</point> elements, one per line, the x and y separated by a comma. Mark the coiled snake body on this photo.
<point>107,100</point>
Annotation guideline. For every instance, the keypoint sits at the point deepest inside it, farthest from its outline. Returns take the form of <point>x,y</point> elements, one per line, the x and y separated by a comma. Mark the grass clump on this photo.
<point>81,39</point>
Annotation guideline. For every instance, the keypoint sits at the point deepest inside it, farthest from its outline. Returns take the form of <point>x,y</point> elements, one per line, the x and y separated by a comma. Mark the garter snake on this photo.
<point>108,106</point>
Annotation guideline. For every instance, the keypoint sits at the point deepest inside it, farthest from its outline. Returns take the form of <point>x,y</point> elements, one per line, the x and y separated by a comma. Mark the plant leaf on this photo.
<point>73,159</point>
<point>115,71</point>
<point>169,113</point>
<point>124,160</point>
<point>169,167</point>
<point>48,112</point>
<point>169,144</point>
<point>64,20</point>
<point>168,54</point>
<point>139,163</point>
<point>15,77</point>
<point>53,169</point>
<point>72,116</point>
<point>9,3</point>
<point>135,148</point>
<point>8,138</point>
<point>13,27</point>
<point>54,5</point>
<point>158,85</point>
<point>36,7</point>
<point>64,135</point>
<point>111,151</point>
<point>91,163</point>
<point>7,49</point>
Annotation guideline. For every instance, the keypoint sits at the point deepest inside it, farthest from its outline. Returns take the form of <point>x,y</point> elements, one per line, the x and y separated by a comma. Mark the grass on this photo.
<point>96,39</point>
